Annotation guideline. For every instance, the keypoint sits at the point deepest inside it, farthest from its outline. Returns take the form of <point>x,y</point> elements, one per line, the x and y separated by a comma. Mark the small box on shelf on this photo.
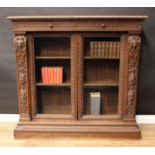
<point>95,99</point>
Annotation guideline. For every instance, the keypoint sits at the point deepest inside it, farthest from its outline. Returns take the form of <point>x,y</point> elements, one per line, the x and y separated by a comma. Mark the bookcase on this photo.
<point>77,75</point>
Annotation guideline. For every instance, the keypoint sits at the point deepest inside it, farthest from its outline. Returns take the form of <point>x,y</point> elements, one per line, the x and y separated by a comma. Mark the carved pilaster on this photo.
<point>134,42</point>
<point>20,46</point>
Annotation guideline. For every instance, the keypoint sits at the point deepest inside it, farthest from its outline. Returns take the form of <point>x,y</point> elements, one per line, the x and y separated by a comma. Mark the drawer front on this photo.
<point>78,26</point>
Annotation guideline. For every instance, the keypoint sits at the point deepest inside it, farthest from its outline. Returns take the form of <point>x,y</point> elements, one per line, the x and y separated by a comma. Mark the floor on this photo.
<point>6,139</point>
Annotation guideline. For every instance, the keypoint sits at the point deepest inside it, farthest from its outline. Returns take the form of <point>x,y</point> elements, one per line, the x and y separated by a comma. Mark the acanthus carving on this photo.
<point>134,47</point>
<point>20,46</point>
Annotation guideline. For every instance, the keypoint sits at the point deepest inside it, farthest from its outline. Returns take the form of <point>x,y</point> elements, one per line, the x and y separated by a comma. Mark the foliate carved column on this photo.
<point>134,42</point>
<point>20,46</point>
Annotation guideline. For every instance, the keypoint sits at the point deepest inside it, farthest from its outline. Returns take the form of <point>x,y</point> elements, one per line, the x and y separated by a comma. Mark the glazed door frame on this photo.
<point>73,68</point>
<point>122,68</point>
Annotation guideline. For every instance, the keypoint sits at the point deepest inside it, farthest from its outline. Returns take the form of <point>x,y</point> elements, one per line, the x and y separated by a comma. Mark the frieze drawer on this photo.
<point>77,26</point>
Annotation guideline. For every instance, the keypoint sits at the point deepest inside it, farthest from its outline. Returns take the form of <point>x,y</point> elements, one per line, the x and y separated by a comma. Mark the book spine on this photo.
<point>106,46</point>
<point>58,75</point>
<point>46,78</point>
<point>114,49</point>
<point>99,49</point>
<point>91,49</point>
<point>51,73</point>
<point>118,50</point>
<point>94,51</point>
<point>61,75</point>
<point>48,75</point>
<point>110,50</point>
<point>103,49</point>
<point>43,74</point>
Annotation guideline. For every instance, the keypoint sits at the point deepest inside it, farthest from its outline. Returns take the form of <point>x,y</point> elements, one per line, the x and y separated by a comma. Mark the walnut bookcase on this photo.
<point>48,110</point>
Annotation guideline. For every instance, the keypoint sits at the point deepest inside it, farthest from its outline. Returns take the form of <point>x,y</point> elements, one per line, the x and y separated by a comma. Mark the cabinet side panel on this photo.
<point>22,77</point>
<point>134,42</point>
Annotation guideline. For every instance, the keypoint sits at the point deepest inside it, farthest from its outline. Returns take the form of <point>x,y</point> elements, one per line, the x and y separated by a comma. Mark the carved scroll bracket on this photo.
<point>134,42</point>
<point>20,46</point>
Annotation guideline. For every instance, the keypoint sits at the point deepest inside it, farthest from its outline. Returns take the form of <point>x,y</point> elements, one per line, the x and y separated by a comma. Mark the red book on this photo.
<point>59,70</point>
<point>61,74</point>
<point>52,75</point>
<point>43,74</point>
<point>58,75</point>
<point>48,75</point>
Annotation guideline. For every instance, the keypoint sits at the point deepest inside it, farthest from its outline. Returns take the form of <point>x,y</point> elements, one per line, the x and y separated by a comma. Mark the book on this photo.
<point>118,49</point>
<point>60,74</point>
<point>46,75</point>
<point>91,48</point>
<point>95,50</point>
<point>99,49</point>
<point>95,99</point>
<point>52,75</point>
<point>49,77</point>
<point>57,75</point>
<point>114,49</point>
<point>110,49</point>
<point>43,74</point>
<point>102,49</point>
<point>106,47</point>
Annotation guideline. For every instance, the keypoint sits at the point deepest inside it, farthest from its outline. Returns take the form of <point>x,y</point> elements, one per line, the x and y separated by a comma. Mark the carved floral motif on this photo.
<point>20,46</point>
<point>134,47</point>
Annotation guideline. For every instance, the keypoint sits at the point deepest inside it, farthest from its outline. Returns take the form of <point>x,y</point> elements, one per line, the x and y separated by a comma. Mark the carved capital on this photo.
<point>133,59</point>
<point>134,43</point>
<point>20,43</point>
<point>20,46</point>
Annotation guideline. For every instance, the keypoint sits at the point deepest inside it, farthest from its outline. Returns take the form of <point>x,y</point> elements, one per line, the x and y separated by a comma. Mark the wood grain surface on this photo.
<point>7,139</point>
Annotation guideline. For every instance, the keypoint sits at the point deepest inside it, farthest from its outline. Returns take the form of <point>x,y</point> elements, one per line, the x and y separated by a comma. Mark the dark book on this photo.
<point>118,49</point>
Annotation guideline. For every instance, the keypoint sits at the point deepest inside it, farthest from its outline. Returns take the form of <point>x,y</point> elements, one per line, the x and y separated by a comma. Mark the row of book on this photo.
<point>52,75</point>
<point>104,49</point>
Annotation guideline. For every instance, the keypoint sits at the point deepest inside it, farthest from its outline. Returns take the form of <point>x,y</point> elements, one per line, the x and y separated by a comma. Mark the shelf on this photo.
<point>65,84</point>
<point>91,58</point>
<point>101,84</point>
<point>51,57</point>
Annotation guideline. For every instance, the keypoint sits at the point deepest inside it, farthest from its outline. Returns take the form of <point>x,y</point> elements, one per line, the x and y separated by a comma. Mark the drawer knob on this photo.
<point>103,25</point>
<point>51,25</point>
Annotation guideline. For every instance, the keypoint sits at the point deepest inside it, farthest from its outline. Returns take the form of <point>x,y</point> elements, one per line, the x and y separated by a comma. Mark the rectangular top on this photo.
<point>20,18</point>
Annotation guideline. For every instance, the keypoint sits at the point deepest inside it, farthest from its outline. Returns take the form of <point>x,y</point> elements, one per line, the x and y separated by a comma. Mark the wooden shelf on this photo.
<point>51,57</point>
<point>65,84</point>
<point>101,84</point>
<point>91,58</point>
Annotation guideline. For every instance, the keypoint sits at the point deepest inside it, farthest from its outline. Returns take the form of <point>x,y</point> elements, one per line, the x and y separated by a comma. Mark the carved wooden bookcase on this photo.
<point>48,110</point>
